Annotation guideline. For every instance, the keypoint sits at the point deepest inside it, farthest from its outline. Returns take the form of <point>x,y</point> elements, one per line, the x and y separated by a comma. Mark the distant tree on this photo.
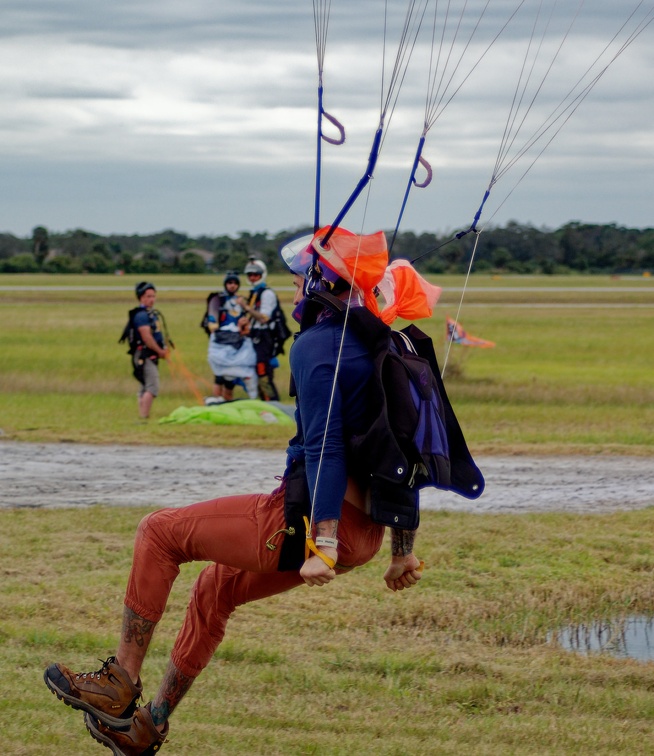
<point>101,248</point>
<point>221,260</point>
<point>23,263</point>
<point>501,257</point>
<point>481,266</point>
<point>125,261</point>
<point>79,243</point>
<point>574,247</point>
<point>222,244</point>
<point>146,266</point>
<point>40,244</point>
<point>646,245</point>
<point>548,267</point>
<point>238,256</point>
<point>11,245</point>
<point>271,258</point>
<point>63,264</point>
<point>170,238</point>
<point>204,242</point>
<point>455,256</point>
<point>191,262</point>
<point>97,263</point>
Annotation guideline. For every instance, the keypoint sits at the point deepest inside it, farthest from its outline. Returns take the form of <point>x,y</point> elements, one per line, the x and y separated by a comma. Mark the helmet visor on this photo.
<point>298,255</point>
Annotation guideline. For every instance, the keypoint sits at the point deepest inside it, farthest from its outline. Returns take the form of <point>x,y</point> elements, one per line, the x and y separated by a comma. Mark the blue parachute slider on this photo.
<point>417,160</point>
<point>322,113</point>
<point>370,169</point>
<point>473,227</point>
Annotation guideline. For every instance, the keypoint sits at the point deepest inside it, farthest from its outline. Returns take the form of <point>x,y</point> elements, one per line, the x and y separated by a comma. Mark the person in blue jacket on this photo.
<point>252,550</point>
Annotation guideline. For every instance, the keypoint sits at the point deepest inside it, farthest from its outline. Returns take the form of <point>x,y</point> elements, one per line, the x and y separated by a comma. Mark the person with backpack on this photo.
<point>231,352</point>
<point>314,526</point>
<point>253,549</point>
<point>261,306</point>
<point>147,345</point>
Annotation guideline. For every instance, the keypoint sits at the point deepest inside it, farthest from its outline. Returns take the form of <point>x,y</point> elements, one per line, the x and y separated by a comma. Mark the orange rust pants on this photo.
<point>230,532</point>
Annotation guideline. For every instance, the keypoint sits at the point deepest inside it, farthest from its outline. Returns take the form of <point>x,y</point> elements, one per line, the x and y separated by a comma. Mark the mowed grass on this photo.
<point>571,370</point>
<point>462,664</point>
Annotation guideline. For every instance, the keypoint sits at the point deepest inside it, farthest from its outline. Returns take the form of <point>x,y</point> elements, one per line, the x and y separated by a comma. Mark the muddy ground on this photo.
<point>76,475</point>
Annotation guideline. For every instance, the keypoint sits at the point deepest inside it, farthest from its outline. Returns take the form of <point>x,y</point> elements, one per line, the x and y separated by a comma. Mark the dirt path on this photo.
<point>75,475</point>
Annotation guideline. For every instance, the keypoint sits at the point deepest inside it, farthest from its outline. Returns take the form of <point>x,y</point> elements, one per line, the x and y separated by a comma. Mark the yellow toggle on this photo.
<point>311,546</point>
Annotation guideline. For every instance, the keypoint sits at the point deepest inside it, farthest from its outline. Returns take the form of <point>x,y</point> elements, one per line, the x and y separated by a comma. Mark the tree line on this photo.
<point>514,248</point>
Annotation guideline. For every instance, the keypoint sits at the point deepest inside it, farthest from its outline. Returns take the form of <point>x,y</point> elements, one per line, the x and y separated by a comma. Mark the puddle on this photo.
<point>631,637</point>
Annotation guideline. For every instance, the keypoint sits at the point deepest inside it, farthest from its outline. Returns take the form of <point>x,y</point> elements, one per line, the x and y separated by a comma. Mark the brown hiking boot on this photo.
<point>108,694</point>
<point>138,737</point>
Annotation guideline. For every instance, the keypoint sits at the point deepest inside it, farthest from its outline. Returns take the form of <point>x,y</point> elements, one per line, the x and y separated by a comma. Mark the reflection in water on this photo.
<point>631,637</point>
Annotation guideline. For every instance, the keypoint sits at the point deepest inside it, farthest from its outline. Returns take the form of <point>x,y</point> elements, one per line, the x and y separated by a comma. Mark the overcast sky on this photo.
<point>136,116</point>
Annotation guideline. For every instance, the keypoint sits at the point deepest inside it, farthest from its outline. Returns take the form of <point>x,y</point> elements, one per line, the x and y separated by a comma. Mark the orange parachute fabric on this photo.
<point>458,335</point>
<point>408,295</point>
<point>360,259</point>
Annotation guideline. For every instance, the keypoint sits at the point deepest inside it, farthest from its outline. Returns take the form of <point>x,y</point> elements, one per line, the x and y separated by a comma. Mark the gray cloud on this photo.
<point>131,116</point>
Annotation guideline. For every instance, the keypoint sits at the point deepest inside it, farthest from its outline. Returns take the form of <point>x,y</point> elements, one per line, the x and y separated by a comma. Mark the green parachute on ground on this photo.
<point>240,412</point>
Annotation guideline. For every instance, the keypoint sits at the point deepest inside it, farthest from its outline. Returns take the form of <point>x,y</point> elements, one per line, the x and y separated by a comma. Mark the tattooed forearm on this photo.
<point>327,528</point>
<point>402,542</point>
<point>136,629</point>
<point>171,692</point>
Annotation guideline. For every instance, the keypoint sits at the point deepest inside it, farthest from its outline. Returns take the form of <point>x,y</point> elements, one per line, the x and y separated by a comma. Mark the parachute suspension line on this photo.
<point>510,134</point>
<point>338,364</point>
<point>363,181</point>
<point>431,251</point>
<point>436,102</point>
<point>564,115</point>
<point>388,95</point>
<point>507,140</point>
<point>518,95</point>
<point>563,112</point>
<point>409,37</point>
<point>321,11</point>
<point>181,372</point>
<point>321,24</point>
<point>418,160</point>
<point>177,366</point>
<point>463,293</point>
<point>511,130</point>
<point>569,104</point>
<point>438,86</point>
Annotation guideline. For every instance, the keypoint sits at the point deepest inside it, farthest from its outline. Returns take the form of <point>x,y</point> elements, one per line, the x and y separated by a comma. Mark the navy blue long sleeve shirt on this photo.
<point>313,359</point>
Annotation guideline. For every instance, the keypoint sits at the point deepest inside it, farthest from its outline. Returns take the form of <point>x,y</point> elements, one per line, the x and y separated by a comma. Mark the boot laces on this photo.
<point>103,670</point>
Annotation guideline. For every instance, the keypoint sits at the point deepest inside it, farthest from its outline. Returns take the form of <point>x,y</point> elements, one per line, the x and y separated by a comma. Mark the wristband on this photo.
<point>310,546</point>
<point>324,541</point>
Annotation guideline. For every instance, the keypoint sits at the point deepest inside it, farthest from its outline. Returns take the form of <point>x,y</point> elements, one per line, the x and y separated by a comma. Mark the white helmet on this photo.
<point>257,266</point>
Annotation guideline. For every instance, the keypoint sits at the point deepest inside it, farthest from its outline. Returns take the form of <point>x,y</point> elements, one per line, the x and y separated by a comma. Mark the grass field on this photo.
<point>462,664</point>
<point>571,370</point>
<point>459,665</point>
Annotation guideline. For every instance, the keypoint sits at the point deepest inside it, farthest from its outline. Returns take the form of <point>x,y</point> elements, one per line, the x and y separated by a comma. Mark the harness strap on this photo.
<point>310,546</point>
